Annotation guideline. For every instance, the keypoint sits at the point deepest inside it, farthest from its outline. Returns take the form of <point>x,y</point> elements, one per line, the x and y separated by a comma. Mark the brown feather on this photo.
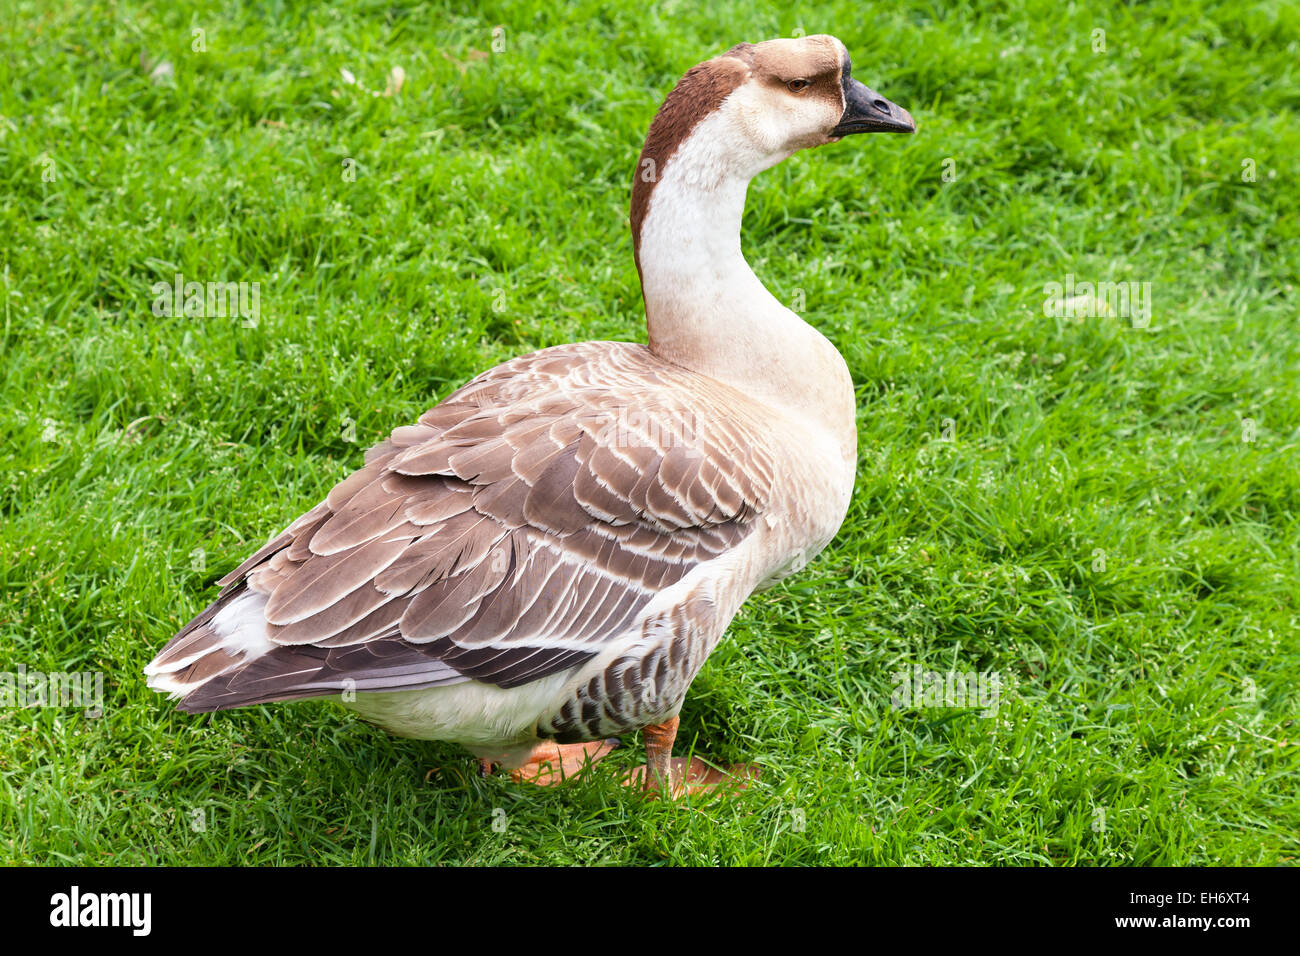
<point>447,605</point>
<point>320,581</point>
<point>343,613</point>
<point>513,516</point>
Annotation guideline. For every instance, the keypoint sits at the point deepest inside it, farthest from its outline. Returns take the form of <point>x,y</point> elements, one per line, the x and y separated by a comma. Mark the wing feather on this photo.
<point>503,537</point>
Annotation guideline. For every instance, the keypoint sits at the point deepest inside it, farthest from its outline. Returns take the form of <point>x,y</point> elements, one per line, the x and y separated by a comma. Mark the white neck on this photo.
<point>705,308</point>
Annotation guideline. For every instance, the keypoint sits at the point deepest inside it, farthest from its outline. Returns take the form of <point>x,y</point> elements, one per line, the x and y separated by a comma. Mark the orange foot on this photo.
<point>693,776</point>
<point>662,771</point>
<point>551,762</point>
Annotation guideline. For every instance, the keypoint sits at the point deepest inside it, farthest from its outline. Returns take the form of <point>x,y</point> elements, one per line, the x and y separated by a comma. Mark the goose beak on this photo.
<point>866,111</point>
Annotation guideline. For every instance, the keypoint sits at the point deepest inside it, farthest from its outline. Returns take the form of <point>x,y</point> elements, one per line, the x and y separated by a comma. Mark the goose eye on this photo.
<point>798,86</point>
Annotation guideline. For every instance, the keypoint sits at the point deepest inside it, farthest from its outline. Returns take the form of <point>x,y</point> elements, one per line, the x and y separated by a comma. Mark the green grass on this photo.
<point>1090,523</point>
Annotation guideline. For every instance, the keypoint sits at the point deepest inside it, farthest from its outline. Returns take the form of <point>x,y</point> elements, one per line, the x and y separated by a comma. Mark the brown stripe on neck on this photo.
<point>696,95</point>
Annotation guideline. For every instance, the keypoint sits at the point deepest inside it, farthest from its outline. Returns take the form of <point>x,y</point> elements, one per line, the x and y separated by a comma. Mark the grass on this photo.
<point>1104,516</point>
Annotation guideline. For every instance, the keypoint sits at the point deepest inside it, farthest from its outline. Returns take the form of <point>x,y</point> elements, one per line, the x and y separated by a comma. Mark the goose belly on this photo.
<point>471,713</point>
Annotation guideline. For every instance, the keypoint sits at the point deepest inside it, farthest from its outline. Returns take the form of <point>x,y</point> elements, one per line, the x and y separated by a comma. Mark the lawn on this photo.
<point>1099,512</point>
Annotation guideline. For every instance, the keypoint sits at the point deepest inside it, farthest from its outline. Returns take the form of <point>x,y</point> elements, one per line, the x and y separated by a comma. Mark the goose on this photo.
<point>545,559</point>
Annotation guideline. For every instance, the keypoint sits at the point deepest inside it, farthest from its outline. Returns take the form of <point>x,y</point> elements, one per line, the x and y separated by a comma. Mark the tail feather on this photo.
<point>229,633</point>
<point>225,658</point>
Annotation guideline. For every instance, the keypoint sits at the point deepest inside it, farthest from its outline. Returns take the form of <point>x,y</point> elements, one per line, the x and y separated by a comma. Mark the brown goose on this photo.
<point>547,557</point>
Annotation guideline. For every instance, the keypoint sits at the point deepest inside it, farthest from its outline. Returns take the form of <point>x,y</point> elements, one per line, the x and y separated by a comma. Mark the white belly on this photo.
<point>471,714</point>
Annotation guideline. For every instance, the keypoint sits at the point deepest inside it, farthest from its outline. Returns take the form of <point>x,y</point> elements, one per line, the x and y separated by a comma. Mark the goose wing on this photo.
<point>518,525</point>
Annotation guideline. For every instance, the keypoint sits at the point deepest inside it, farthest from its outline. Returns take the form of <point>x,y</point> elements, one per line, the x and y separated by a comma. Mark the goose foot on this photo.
<point>693,777</point>
<point>550,762</point>
<point>678,775</point>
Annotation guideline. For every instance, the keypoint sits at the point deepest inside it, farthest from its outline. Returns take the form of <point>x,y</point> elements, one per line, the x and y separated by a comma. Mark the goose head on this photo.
<point>798,93</point>
<point>768,100</point>
<point>739,113</point>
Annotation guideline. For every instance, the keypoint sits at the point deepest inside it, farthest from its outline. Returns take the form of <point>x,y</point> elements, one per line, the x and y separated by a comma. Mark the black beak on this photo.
<point>868,112</point>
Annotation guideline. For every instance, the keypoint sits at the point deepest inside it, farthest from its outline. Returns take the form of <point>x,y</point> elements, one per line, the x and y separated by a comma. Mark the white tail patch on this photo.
<point>238,630</point>
<point>242,623</point>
